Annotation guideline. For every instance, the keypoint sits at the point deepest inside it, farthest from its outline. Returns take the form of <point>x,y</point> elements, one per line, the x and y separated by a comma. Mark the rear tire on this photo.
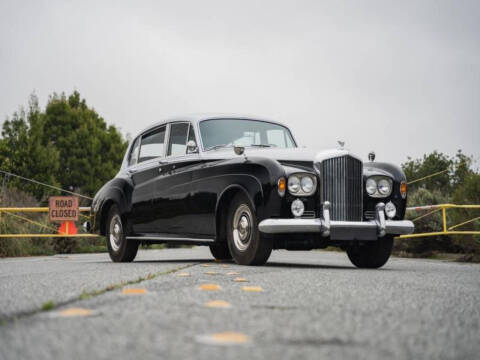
<point>220,251</point>
<point>373,254</point>
<point>119,248</point>
<point>245,242</point>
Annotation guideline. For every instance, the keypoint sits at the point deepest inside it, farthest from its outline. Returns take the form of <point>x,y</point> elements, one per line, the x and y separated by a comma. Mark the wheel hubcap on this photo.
<point>116,232</point>
<point>242,227</point>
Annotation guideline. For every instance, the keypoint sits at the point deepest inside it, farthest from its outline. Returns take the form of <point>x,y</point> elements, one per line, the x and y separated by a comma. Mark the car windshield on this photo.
<point>218,133</point>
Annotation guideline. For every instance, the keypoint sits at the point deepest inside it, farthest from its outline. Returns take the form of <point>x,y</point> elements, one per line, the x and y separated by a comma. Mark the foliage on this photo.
<point>459,185</point>
<point>68,145</point>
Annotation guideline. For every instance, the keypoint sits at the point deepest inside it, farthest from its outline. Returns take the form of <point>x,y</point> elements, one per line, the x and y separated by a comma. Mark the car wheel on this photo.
<point>371,255</point>
<point>245,242</point>
<point>119,248</point>
<point>220,251</point>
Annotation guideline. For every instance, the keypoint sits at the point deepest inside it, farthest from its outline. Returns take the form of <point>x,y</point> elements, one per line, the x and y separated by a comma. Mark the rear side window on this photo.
<point>132,159</point>
<point>178,139</point>
<point>152,145</point>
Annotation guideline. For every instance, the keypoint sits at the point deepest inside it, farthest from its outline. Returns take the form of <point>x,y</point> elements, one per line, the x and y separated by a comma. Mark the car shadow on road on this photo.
<point>308,266</point>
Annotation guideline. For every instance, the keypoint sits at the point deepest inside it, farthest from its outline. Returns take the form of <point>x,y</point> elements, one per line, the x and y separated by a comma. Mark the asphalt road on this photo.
<point>302,305</point>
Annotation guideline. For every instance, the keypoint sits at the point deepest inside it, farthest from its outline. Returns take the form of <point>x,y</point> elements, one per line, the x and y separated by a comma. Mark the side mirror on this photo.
<point>239,150</point>
<point>192,147</point>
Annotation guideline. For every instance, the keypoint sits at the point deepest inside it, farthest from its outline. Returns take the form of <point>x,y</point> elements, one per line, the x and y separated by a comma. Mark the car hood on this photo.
<point>293,154</point>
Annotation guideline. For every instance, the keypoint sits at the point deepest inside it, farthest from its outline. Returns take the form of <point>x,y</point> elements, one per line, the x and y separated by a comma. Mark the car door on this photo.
<point>173,187</point>
<point>151,152</point>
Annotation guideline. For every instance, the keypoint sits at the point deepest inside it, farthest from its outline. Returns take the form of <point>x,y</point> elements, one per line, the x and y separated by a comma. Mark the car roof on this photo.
<point>196,118</point>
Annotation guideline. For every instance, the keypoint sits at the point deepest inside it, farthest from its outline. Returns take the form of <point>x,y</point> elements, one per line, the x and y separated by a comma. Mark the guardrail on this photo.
<point>433,209</point>
<point>11,211</point>
<point>445,231</point>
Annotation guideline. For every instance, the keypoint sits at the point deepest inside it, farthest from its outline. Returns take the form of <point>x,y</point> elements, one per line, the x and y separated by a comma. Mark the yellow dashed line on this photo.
<point>240,279</point>
<point>205,265</point>
<point>134,291</point>
<point>232,273</point>
<point>183,274</point>
<point>210,287</point>
<point>75,312</point>
<point>218,304</point>
<point>211,273</point>
<point>252,288</point>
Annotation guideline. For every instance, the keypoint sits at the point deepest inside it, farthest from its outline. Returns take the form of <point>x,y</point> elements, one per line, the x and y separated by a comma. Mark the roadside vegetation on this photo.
<point>69,145</point>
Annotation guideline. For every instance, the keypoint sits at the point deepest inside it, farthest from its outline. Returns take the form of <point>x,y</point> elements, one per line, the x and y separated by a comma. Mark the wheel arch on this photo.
<point>221,209</point>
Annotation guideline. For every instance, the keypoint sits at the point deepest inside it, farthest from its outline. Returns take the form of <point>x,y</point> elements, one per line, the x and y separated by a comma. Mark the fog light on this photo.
<point>390,210</point>
<point>298,208</point>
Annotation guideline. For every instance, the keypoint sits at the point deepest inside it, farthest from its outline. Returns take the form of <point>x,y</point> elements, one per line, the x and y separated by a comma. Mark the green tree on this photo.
<point>23,151</point>
<point>428,165</point>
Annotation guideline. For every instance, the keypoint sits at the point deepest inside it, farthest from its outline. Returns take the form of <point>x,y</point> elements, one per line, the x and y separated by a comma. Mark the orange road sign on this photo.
<point>63,208</point>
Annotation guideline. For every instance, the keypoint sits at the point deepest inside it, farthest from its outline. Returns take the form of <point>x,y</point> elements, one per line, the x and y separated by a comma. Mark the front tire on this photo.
<point>245,242</point>
<point>373,254</point>
<point>220,251</point>
<point>119,248</point>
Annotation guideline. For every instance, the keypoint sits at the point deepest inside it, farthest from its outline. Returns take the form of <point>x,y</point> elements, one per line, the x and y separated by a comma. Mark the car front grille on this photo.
<point>342,185</point>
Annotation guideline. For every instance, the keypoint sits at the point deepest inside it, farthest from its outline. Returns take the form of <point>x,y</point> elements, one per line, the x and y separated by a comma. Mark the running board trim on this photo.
<point>170,238</point>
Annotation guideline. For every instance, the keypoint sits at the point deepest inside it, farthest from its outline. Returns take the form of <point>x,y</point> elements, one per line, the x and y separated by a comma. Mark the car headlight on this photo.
<point>293,184</point>
<point>302,184</point>
<point>390,210</point>
<point>371,186</point>
<point>384,187</point>
<point>379,186</point>
<point>307,184</point>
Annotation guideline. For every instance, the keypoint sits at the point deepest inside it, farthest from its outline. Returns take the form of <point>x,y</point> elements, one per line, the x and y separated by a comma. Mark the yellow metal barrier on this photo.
<point>12,211</point>
<point>445,231</point>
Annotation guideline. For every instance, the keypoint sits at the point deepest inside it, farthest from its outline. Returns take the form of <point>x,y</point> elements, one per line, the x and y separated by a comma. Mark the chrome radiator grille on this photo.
<point>342,185</point>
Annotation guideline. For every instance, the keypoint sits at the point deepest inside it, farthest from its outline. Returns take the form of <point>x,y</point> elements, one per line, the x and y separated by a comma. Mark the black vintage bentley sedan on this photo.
<point>242,186</point>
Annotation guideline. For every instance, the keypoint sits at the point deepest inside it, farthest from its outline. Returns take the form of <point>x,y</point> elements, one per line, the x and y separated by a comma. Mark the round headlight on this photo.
<point>371,186</point>
<point>390,210</point>
<point>307,184</point>
<point>384,187</point>
<point>293,184</point>
<point>297,208</point>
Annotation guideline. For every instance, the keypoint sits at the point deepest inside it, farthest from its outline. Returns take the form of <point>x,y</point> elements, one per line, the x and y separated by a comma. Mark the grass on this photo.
<point>47,306</point>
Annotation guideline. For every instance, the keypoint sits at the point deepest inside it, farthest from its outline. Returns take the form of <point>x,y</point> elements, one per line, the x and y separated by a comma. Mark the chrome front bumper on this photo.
<point>339,230</point>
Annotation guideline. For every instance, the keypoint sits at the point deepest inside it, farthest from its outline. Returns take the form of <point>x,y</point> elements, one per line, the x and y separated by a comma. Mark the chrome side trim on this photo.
<point>169,238</point>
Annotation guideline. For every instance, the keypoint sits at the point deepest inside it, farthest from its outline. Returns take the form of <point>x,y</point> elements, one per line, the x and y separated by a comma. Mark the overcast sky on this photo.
<point>399,77</point>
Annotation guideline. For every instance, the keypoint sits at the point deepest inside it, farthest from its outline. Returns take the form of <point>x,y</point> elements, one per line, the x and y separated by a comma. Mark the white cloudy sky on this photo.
<point>400,77</point>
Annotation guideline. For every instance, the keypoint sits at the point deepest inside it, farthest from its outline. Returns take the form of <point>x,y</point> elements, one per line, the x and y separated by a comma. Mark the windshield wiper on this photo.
<point>215,147</point>
<point>262,145</point>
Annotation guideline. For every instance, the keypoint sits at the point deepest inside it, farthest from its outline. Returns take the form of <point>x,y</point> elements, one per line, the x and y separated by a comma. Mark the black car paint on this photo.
<point>184,197</point>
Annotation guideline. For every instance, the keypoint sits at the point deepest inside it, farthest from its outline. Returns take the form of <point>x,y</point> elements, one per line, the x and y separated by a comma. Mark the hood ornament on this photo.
<point>371,156</point>
<point>341,143</point>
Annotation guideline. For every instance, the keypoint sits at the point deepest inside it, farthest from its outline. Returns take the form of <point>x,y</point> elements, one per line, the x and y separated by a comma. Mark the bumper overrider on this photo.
<point>340,230</point>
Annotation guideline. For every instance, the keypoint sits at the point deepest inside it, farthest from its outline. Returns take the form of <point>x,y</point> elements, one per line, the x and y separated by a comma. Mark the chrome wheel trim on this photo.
<point>116,232</point>
<point>242,227</point>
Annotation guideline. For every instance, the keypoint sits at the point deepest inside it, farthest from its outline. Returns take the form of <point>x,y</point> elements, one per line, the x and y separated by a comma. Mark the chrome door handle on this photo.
<point>131,172</point>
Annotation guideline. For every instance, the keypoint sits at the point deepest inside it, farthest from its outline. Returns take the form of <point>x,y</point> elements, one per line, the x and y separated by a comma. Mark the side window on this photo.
<point>178,139</point>
<point>133,157</point>
<point>152,145</point>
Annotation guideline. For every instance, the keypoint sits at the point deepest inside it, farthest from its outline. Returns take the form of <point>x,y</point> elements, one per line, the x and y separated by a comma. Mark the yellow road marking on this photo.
<point>74,312</point>
<point>210,287</point>
<point>224,265</point>
<point>230,337</point>
<point>134,291</point>
<point>183,274</point>
<point>218,304</point>
<point>252,288</point>
<point>240,279</point>
<point>205,265</point>
<point>232,273</point>
<point>211,273</point>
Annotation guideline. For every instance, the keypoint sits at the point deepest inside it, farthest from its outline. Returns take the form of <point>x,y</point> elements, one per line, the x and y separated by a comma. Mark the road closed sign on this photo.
<point>63,208</point>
